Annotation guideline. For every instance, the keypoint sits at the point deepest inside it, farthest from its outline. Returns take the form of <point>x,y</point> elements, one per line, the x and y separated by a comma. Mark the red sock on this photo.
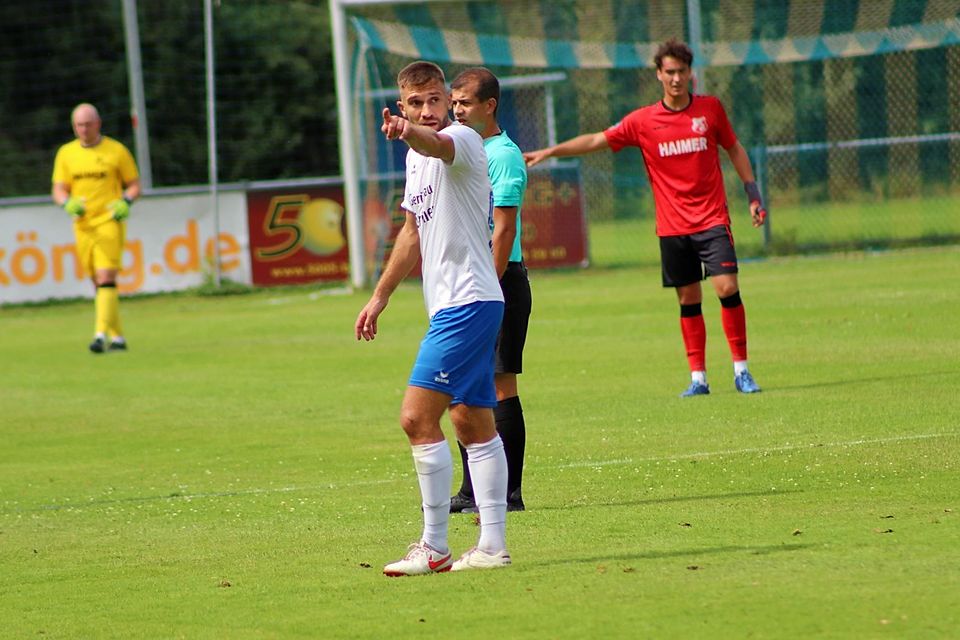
<point>695,340</point>
<point>735,326</point>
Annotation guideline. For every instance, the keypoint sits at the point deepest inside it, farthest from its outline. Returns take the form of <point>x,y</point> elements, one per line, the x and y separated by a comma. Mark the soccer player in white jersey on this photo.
<point>448,206</point>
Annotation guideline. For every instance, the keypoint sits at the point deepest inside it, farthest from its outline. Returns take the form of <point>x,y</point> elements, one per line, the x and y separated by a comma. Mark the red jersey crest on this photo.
<point>699,125</point>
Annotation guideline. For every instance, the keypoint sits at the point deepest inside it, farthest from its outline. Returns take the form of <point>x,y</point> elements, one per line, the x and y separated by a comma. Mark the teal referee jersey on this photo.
<point>508,178</point>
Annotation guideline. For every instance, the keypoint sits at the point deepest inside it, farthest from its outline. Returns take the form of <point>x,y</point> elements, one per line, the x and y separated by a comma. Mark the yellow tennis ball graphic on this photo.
<point>319,222</point>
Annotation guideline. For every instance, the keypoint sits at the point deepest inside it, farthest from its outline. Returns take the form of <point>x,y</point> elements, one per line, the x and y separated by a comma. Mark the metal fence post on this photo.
<point>759,154</point>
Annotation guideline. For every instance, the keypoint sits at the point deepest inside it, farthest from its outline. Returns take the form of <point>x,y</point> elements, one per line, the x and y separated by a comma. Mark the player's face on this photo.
<point>469,110</point>
<point>86,126</point>
<point>428,105</point>
<point>674,75</point>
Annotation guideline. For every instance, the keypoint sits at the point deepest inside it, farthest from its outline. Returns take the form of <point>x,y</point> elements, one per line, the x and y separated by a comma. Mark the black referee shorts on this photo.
<point>516,316</point>
<point>691,258</point>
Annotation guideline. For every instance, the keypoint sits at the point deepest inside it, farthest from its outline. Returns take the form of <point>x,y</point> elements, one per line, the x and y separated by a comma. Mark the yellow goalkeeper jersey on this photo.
<point>96,175</point>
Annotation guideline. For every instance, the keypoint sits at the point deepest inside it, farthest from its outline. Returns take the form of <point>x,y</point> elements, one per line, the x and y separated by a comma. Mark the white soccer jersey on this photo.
<point>454,212</point>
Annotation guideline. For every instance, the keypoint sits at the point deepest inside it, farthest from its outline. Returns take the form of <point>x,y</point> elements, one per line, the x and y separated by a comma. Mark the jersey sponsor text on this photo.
<point>424,217</point>
<point>92,175</point>
<point>677,147</point>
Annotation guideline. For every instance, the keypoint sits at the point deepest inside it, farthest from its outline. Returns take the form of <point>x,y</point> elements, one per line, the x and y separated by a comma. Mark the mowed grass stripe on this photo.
<point>240,472</point>
<point>346,486</point>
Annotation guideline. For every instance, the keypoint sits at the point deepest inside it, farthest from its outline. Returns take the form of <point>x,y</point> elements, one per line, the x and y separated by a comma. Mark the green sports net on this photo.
<point>850,110</point>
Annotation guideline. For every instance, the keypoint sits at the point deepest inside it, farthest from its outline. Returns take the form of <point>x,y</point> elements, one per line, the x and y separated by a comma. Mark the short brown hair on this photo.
<point>673,48</point>
<point>487,84</point>
<point>420,73</point>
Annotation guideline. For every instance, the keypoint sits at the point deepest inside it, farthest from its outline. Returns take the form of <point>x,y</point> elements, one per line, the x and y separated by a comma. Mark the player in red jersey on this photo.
<point>680,138</point>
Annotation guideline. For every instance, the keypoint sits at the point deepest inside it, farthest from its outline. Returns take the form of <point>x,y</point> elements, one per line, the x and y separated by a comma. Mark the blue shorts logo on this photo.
<point>443,378</point>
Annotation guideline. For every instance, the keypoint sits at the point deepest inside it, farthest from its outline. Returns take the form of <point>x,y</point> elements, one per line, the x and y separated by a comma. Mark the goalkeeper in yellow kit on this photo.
<point>95,180</point>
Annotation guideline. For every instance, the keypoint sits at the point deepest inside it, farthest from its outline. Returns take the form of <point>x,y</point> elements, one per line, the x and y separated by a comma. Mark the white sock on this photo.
<point>488,470</point>
<point>699,376</point>
<point>739,366</point>
<point>434,467</point>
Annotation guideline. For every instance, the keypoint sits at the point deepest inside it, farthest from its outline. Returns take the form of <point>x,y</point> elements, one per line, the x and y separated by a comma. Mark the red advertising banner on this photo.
<point>554,225</point>
<point>297,237</point>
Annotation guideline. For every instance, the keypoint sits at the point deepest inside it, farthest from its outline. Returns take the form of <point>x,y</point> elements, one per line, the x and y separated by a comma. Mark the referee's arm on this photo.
<point>504,233</point>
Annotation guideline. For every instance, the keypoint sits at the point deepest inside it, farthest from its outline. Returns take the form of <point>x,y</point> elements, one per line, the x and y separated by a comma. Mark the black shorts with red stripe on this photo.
<point>691,258</point>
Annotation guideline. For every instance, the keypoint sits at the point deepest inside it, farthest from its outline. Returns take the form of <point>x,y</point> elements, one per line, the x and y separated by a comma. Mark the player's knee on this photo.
<point>409,422</point>
<point>474,426</point>
<point>417,426</point>
<point>505,385</point>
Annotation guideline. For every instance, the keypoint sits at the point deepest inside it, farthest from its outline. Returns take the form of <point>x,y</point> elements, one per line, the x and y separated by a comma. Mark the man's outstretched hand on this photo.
<point>394,127</point>
<point>536,157</point>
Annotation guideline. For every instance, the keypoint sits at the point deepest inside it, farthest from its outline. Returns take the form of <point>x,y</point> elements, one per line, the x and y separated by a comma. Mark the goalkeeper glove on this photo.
<point>74,206</point>
<point>120,208</point>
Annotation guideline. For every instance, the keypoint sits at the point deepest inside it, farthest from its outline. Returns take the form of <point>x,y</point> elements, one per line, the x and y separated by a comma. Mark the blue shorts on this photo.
<point>456,356</point>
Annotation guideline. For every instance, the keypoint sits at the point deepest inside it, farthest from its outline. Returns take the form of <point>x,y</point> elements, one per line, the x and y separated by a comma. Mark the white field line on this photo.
<point>255,491</point>
<point>314,295</point>
<point>587,463</point>
<point>570,465</point>
<point>97,502</point>
<point>734,452</point>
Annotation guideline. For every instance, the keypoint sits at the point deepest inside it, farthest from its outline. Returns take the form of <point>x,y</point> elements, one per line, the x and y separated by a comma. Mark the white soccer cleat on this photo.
<point>477,559</point>
<point>420,560</point>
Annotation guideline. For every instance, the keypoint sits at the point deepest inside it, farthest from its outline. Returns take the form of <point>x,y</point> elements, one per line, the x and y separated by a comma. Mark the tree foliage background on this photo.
<point>276,103</point>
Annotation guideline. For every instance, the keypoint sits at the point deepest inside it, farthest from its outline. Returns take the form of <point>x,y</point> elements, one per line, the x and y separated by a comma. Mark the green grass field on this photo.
<point>240,473</point>
<point>797,228</point>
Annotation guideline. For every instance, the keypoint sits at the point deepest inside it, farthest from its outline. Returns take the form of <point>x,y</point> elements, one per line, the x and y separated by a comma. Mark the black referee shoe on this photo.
<point>462,504</point>
<point>515,501</point>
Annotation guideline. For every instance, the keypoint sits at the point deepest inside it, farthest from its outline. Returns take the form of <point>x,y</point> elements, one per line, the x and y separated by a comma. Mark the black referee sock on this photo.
<point>513,432</point>
<point>466,487</point>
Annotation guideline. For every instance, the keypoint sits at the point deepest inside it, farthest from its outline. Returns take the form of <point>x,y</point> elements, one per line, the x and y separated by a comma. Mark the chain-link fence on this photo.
<point>273,70</point>
<point>848,109</point>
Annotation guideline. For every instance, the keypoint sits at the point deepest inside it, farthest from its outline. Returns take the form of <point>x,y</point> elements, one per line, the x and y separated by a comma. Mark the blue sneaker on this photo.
<point>696,389</point>
<point>745,383</point>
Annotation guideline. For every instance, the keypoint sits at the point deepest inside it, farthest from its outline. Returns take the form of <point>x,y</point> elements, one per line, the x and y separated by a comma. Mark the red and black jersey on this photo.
<point>681,153</point>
